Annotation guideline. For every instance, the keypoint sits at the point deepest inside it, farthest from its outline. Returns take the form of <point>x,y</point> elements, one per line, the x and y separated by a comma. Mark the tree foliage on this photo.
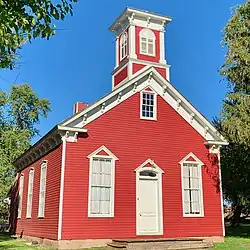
<point>24,20</point>
<point>20,111</point>
<point>234,122</point>
<point>236,68</point>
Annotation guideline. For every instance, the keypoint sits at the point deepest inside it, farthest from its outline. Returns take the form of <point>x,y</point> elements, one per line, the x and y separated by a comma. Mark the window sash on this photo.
<point>41,206</point>
<point>20,196</point>
<point>30,193</point>
<point>147,46</point>
<point>192,189</point>
<point>148,105</point>
<point>101,187</point>
<point>123,46</point>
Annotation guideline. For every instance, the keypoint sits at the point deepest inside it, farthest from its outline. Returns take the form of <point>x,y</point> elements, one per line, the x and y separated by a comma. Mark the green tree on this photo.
<point>234,122</point>
<point>236,71</point>
<point>24,20</point>
<point>20,111</point>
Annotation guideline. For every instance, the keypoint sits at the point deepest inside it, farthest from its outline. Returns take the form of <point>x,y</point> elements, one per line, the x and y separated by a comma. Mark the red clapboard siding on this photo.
<point>155,58</point>
<point>137,67</point>
<point>46,227</point>
<point>167,141</point>
<point>120,76</point>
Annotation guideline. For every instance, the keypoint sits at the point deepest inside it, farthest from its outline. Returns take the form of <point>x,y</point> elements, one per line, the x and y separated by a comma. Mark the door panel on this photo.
<point>148,206</point>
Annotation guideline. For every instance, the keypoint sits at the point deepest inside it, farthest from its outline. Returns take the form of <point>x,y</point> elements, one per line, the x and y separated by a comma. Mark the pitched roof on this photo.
<point>148,76</point>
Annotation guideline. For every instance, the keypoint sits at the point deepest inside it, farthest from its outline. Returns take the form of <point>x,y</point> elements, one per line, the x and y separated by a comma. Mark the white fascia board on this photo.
<point>116,91</point>
<point>222,143</point>
<point>149,14</point>
<point>72,129</point>
<point>184,101</point>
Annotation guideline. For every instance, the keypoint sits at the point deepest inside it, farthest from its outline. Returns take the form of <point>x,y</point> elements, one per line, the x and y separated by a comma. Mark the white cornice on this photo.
<point>47,143</point>
<point>73,129</point>
<point>130,15</point>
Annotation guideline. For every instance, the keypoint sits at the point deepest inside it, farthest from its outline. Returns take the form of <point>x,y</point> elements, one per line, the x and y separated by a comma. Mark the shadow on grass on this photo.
<point>242,231</point>
<point>9,242</point>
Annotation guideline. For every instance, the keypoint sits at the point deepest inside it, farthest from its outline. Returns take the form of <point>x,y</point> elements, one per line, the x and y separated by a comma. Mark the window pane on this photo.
<point>101,186</point>
<point>192,188</point>
<point>150,49</point>
<point>143,47</point>
<point>148,105</point>
<point>42,190</point>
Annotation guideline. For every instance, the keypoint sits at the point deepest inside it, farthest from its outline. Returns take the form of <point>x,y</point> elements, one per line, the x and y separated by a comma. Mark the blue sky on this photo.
<point>76,64</point>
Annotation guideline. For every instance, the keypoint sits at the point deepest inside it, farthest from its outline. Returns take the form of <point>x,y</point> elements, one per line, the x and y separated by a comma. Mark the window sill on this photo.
<point>101,216</point>
<point>146,54</point>
<point>193,215</point>
<point>28,217</point>
<point>40,217</point>
<point>148,118</point>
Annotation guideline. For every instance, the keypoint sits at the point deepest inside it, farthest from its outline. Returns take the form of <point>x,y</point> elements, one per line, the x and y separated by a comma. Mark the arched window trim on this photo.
<point>199,164</point>
<point>30,193</point>
<point>112,158</point>
<point>147,39</point>
<point>123,46</point>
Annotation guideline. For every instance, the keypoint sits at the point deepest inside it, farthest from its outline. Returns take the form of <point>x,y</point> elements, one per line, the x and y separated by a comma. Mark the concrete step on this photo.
<point>158,245</point>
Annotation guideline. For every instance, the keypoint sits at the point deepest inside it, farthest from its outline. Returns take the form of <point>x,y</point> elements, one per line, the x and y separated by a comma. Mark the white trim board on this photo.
<point>148,77</point>
<point>64,143</point>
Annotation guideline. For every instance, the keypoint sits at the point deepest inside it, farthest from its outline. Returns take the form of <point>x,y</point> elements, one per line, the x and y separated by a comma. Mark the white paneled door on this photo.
<point>148,206</point>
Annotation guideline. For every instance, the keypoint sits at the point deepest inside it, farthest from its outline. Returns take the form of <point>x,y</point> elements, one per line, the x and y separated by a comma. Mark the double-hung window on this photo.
<point>101,185</point>
<point>148,105</point>
<point>20,196</point>
<point>30,193</point>
<point>123,45</point>
<point>41,207</point>
<point>192,187</point>
<point>147,42</point>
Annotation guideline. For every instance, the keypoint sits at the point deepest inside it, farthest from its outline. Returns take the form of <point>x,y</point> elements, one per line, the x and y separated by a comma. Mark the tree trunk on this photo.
<point>237,215</point>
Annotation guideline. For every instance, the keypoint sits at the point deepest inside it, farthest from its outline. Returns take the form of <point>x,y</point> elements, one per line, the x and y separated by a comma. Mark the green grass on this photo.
<point>237,239</point>
<point>9,243</point>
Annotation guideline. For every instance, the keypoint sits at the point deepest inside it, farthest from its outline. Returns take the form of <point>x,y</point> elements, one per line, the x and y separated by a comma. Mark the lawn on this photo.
<point>9,243</point>
<point>237,239</point>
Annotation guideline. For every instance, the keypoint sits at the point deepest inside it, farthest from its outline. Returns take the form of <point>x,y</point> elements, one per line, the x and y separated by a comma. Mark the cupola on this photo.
<point>139,43</point>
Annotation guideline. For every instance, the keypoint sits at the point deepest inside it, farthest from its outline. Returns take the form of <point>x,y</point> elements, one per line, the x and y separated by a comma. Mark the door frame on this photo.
<point>152,166</point>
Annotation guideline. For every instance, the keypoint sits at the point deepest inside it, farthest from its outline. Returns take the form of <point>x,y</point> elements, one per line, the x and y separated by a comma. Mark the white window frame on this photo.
<point>42,211</point>
<point>148,35</point>
<point>30,193</point>
<point>154,106</point>
<point>123,46</point>
<point>113,158</point>
<point>20,196</point>
<point>199,163</point>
